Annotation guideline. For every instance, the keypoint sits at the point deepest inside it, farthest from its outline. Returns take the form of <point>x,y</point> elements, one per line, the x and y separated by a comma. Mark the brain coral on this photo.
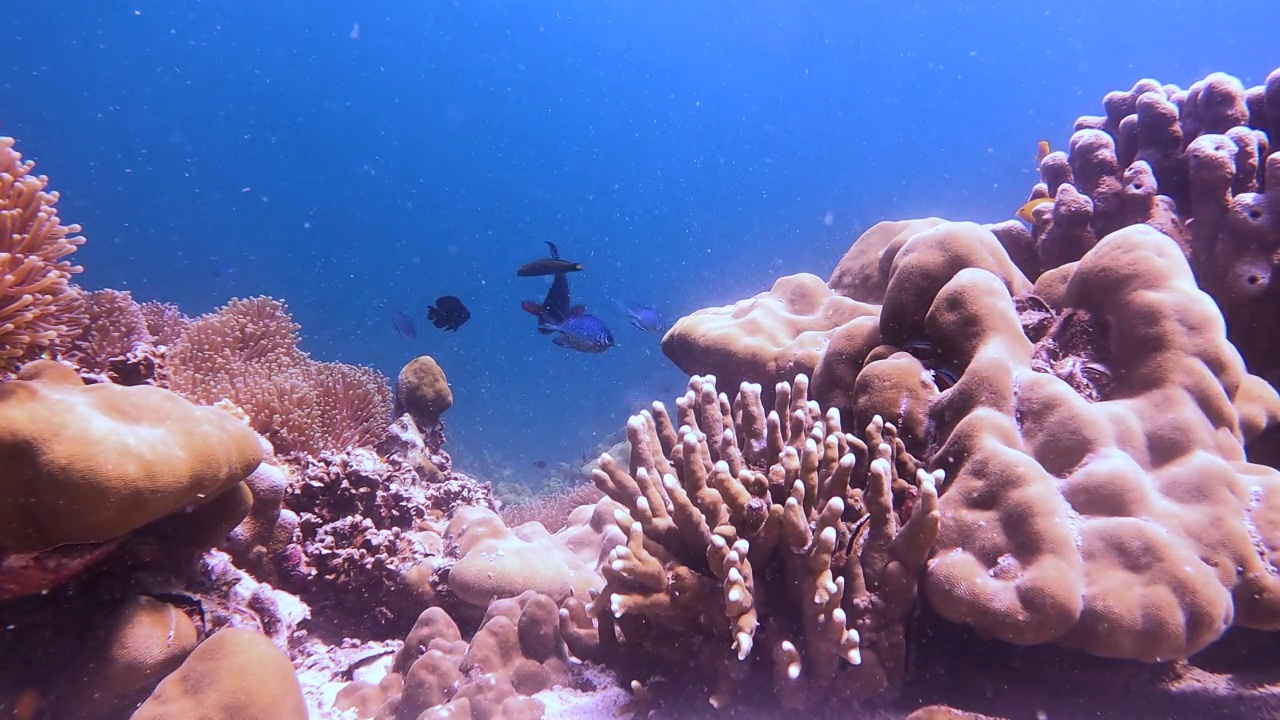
<point>1099,495</point>
<point>87,463</point>
<point>767,339</point>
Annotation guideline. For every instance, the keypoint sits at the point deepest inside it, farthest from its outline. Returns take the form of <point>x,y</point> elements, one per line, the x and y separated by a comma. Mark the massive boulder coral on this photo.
<point>775,542</point>
<point>236,674</point>
<point>1200,166</point>
<point>516,652</point>
<point>496,562</point>
<point>1098,494</point>
<point>89,463</point>
<point>39,307</point>
<point>769,338</point>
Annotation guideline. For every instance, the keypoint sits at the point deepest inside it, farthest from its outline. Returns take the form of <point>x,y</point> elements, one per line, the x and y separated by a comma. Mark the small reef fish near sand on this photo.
<point>643,317</point>
<point>548,266</point>
<point>1026,213</point>
<point>448,313</point>
<point>581,332</point>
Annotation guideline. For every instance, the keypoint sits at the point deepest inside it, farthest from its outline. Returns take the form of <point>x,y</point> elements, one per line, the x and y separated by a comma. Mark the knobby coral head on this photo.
<point>1093,435</point>
<point>38,303</point>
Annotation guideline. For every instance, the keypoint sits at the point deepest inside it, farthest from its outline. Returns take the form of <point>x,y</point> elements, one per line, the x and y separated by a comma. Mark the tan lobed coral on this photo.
<point>39,307</point>
<point>88,463</point>
<point>422,391</point>
<point>1200,166</point>
<point>1098,493</point>
<point>236,674</point>
<point>516,652</point>
<point>496,562</point>
<point>776,543</point>
<point>247,352</point>
<point>768,338</point>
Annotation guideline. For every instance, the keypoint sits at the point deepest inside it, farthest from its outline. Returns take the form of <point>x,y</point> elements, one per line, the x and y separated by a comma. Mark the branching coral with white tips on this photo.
<point>746,528</point>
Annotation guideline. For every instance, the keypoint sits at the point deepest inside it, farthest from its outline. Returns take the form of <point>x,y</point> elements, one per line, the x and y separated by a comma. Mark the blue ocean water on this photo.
<point>355,158</point>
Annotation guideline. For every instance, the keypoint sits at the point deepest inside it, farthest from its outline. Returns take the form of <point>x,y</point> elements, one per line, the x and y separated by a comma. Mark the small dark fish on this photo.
<point>644,317</point>
<point>555,306</point>
<point>540,464</point>
<point>548,266</point>
<point>403,325</point>
<point>581,332</point>
<point>448,313</point>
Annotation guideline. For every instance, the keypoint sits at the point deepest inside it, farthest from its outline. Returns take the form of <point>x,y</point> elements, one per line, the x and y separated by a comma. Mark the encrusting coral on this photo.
<point>39,307</point>
<point>422,391</point>
<point>756,541</point>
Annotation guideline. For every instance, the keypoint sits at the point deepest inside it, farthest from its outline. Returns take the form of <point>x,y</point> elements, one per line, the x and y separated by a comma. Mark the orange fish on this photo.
<point>1042,150</point>
<point>1026,213</point>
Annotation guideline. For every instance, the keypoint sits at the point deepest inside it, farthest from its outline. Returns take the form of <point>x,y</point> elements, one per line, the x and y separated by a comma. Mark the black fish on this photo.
<point>404,325</point>
<point>548,266</point>
<point>448,313</point>
<point>540,464</point>
<point>555,306</point>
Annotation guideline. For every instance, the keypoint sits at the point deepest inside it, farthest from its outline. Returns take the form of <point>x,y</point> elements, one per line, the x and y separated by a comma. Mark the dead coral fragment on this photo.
<point>762,542</point>
<point>39,307</point>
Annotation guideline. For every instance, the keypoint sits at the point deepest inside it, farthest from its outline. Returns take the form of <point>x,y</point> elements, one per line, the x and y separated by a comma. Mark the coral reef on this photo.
<point>422,391</point>
<point>247,353</point>
<point>495,562</point>
<point>769,338</point>
<point>516,652</point>
<point>1200,166</point>
<point>775,544</point>
<point>39,307</point>
<point>74,480</point>
<point>236,674</point>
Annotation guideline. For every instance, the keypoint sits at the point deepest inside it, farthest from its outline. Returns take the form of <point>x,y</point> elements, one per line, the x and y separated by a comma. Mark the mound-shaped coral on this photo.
<point>1098,492</point>
<point>516,652</point>
<point>236,674</point>
<point>769,338</point>
<point>496,562</point>
<point>88,463</point>
<point>776,543</point>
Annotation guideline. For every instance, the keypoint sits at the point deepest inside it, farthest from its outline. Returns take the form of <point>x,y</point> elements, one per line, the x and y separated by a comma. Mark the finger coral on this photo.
<point>1098,495</point>
<point>88,463</point>
<point>768,543</point>
<point>38,303</point>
